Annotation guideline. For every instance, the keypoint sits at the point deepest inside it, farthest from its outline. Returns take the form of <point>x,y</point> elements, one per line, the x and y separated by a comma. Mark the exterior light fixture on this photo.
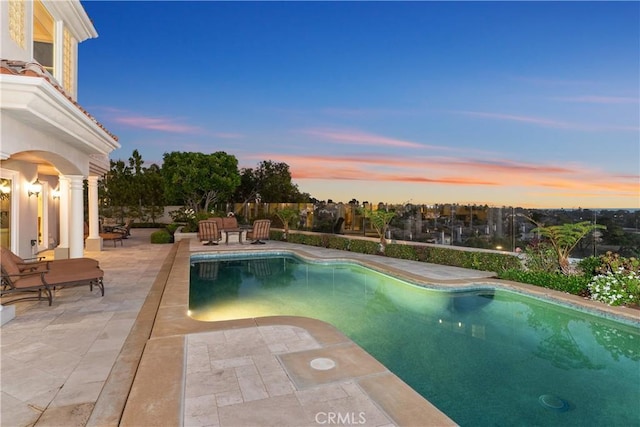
<point>4,187</point>
<point>35,188</point>
<point>56,193</point>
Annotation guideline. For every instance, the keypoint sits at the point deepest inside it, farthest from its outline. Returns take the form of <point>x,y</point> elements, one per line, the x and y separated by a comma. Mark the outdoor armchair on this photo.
<point>259,231</point>
<point>208,230</point>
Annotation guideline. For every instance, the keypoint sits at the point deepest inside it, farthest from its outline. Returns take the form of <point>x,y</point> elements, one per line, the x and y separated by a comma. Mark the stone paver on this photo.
<point>253,388</point>
<point>55,360</point>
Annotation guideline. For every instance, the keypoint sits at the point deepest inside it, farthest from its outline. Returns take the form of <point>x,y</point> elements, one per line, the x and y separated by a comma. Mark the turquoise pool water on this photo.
<point>484,357</point>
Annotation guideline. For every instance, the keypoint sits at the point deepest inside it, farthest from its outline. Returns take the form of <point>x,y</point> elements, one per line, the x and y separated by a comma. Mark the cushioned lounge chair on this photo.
<point>208,230</point>
<point>112,236</point>
<point>45,281</point>
<point>259,231</point>
<point>125,229</point>
<point>39,263</point>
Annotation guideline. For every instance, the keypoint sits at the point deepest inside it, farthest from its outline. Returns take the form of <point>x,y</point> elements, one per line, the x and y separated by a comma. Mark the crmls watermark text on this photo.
<point>343,418</point>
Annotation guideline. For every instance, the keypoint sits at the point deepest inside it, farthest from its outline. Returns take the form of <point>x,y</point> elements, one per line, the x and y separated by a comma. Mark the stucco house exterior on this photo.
<point>49,144</point>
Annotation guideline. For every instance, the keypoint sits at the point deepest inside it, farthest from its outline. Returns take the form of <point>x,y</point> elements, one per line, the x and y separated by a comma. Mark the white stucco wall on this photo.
<point>18,137</point>
<point>8,48</point>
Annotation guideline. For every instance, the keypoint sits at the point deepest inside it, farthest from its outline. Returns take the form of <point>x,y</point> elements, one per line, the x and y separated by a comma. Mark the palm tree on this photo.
<point>380,220</point>
<point>286,215</point>
<point>565,237</point>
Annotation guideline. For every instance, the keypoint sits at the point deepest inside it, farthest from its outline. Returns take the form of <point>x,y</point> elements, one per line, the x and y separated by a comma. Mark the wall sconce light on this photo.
<point>56,193</point>
<point>4,187</point>
<point>35,188</point>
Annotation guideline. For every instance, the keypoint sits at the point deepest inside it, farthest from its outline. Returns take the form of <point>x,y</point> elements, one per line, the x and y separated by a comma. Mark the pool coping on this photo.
<point>146,384</point>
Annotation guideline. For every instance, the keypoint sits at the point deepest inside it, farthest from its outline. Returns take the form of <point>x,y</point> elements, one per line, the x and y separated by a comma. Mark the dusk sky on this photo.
<point>532,104</point>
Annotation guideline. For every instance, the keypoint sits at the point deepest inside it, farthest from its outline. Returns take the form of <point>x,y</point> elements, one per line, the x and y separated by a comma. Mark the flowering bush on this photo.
<point>183,215</point>
<point>616,287</point>
<point>189,218</point>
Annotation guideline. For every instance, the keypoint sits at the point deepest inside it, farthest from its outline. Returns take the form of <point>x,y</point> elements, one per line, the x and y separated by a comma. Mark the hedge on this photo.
<point>485,261</point>
<point>161,236</point>
<point>573,284</point>
<point>476,260</point>
<point>364,247</point>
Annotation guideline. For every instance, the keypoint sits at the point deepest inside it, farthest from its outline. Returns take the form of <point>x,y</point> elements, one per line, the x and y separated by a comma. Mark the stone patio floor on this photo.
<point>134,357</point>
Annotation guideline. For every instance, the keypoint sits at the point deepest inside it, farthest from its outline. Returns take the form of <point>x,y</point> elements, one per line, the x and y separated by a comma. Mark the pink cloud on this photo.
<point>540,121</point>
<point>360,138</point>
<point>526,119</point>
<point>451,171</point>
<point>157,123</point>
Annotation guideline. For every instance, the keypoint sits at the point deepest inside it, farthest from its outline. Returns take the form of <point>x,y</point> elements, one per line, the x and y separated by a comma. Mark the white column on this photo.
<point>94,241</point>
<point>62,251</point>
<point>76,217</point>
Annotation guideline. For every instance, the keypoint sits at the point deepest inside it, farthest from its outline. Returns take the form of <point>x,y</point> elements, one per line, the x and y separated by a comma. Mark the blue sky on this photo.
<point>533,104</point>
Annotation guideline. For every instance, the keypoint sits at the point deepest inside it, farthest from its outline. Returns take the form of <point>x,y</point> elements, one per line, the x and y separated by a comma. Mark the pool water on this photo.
<point>486,357</point>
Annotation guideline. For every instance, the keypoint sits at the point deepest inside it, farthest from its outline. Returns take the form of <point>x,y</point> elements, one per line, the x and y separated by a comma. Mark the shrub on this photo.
<point>294,238</point>
<point>589,266</point>
<point>161,236</point>
<point>305,239</point>
<point>486,261</point>
<point>314,240</point>
<point>616,287</point>
<point>171,228</point>
<point>573,284</point>
<point>540,256</point>
<point>277,235</point>
<point>147,225</point>
<point>612,262</point>
<point>364,247</point>
<point>336,242</point>
<point>395,250</point>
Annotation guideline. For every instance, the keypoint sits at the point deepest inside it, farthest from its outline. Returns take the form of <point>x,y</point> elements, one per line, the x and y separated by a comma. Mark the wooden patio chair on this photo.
<point>259,231</point>
<point>208,230</point>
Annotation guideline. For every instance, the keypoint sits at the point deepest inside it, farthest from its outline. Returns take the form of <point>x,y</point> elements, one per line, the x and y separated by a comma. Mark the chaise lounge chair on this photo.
<point>259,231</point>
<point>40,263</point>
<point>125,229</point>
<point>41,280</point>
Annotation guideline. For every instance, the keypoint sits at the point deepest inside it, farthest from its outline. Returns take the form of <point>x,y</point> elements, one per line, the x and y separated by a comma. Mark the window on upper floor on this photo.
<point>43,36</point>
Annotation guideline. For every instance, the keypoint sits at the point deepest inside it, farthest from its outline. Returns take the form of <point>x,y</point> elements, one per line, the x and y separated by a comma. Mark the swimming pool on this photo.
<point>484,357</point>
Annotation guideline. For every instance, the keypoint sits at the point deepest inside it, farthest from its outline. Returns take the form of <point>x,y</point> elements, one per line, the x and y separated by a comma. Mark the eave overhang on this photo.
<point>36,102</point>
<point>75,18</point>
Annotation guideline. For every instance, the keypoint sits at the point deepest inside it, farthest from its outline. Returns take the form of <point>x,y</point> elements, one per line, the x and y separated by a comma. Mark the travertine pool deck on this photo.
<point>135,358</point>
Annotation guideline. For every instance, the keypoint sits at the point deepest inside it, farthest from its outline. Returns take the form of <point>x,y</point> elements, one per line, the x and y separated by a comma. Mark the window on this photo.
<point>43,36</point>
<point>5,213</point>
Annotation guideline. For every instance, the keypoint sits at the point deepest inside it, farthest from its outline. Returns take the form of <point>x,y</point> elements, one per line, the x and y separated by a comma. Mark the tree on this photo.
<point>380,220</point>
<point>564,238</point>
<point>153,200</point>
<point>199,180</point>
<point>116,190</point>
<point>287,215</point>
<point>271,182</point>
<point>132,190</point>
